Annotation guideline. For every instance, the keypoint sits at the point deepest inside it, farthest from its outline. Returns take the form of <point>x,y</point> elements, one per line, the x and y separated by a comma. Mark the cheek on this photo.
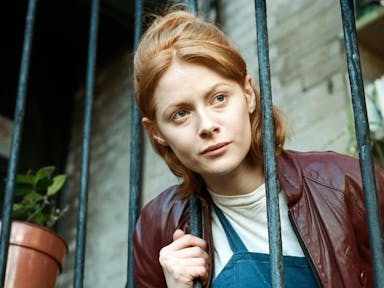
<point>184,152</point>
<point>242,128</point>
<point>239,119</point>
<point>183,144</point>
<point>179,141</point>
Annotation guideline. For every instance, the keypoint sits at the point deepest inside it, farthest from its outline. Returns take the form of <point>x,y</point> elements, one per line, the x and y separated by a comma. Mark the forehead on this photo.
<point>184,80</point>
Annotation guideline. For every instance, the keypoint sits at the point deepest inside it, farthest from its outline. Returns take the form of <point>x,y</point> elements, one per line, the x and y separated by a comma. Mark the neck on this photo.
<point>238,182</point>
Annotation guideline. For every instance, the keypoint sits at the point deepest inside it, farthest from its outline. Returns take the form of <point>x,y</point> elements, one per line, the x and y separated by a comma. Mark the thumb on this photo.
<point>178,234</point>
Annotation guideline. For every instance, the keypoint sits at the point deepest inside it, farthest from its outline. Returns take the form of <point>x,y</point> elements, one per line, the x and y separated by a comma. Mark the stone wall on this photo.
<point>308,83</point>
<point>307,66</point>
<point>107,228</point>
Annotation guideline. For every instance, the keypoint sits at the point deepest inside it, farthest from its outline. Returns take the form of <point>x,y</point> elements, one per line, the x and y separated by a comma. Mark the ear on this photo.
<point>153,131</point>
<point>250,95</point>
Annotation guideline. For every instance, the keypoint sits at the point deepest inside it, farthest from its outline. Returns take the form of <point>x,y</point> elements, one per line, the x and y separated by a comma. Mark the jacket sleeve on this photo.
<point>380,192</point>
<point>358,199</point>
<point>359,220</point>
<point>154,229</point>
<point>146,247</point>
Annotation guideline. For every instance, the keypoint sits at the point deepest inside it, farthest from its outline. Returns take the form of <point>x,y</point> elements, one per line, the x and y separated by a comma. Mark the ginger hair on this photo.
<point>181,36</point>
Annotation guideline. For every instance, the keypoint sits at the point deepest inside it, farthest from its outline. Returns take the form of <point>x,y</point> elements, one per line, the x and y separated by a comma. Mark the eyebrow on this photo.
<point>214,87</point>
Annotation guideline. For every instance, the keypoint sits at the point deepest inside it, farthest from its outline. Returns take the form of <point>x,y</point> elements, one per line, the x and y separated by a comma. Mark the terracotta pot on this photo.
<point>35,256</point>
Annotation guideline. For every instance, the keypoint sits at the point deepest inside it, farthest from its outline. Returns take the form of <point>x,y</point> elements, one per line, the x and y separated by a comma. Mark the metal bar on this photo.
<point>192,6</point>
<point>83,194</point>
<point>363,140</point>
<point>135,157</point>
<point>195,216</point>
<point>16,137</point>
<point>277,277</point>
<point>195,224</point>
<point>194,203</point>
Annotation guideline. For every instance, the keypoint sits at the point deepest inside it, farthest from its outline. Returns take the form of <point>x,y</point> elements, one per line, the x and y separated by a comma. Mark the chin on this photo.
<point>221,169</point>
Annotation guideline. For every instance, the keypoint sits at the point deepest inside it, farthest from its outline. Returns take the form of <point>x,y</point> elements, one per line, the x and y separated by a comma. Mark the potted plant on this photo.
<point>35,253</point>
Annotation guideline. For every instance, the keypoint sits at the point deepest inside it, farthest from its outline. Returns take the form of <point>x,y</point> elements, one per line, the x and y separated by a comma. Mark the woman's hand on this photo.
<point>184,260</point>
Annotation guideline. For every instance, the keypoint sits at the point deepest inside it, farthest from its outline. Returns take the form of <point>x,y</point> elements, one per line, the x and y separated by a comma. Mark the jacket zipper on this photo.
<point>304,248</point>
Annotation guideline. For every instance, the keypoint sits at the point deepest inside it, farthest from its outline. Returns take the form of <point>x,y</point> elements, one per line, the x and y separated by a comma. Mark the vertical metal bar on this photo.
<point>195,216</point>
<point>83,194</point>
<point>135,157</point>
<point>195,224</point>
<point>194,203</point>
<point>192,6</point>
<point>16,137</point>
<point>277,277</point>
<point>363,140</point>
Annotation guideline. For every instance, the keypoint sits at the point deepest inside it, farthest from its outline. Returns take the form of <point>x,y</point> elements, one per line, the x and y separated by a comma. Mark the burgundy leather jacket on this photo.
<point>326,209</point>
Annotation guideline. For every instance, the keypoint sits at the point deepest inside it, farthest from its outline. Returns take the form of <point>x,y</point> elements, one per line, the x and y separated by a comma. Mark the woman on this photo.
<point>202,113</point>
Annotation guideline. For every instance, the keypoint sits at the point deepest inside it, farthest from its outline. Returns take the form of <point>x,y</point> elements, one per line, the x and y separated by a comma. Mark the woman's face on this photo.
<point>204,119</point>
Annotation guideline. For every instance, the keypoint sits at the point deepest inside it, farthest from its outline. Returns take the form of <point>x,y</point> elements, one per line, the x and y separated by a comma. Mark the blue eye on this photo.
<point>219,98</point>
<point>179,114</point>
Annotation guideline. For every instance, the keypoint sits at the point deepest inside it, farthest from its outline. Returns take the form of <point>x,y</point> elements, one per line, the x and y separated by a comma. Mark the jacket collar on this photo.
<point>289,175</point>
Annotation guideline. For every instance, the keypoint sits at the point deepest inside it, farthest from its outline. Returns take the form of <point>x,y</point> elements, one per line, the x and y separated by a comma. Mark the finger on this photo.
<point>185,270</point>
<point>199,272</point>
<point>191,252</point>
<point>177,234</point>
<point>187,240</point>
<point>195,268</point>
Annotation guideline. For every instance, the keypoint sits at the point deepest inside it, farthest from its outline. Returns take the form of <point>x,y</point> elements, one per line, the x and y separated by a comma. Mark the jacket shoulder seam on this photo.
<point>325,184</point>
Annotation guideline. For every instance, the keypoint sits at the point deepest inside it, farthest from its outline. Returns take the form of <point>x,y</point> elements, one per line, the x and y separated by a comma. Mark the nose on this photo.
<point>208,125</point>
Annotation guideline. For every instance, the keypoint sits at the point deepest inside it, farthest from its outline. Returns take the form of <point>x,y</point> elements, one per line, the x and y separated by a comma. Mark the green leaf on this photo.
<point>33,197</point>
<point>24,179</point>
<point>32,191</point>
<point>39,219</point>
<point>58,182</point>
<point>42,185</point>
<point>19,211</point>
<point>21,190</point>
<point>44,172</point>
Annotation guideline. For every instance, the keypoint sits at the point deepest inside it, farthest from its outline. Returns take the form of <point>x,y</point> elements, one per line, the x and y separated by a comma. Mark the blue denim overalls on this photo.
<point>246,269</point>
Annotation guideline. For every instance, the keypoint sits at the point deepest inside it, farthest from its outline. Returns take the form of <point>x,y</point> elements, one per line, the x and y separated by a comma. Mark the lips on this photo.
<point>215,147</point>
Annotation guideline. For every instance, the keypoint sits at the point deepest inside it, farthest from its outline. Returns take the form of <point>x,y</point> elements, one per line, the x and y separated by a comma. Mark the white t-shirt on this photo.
<point>248,216</point>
